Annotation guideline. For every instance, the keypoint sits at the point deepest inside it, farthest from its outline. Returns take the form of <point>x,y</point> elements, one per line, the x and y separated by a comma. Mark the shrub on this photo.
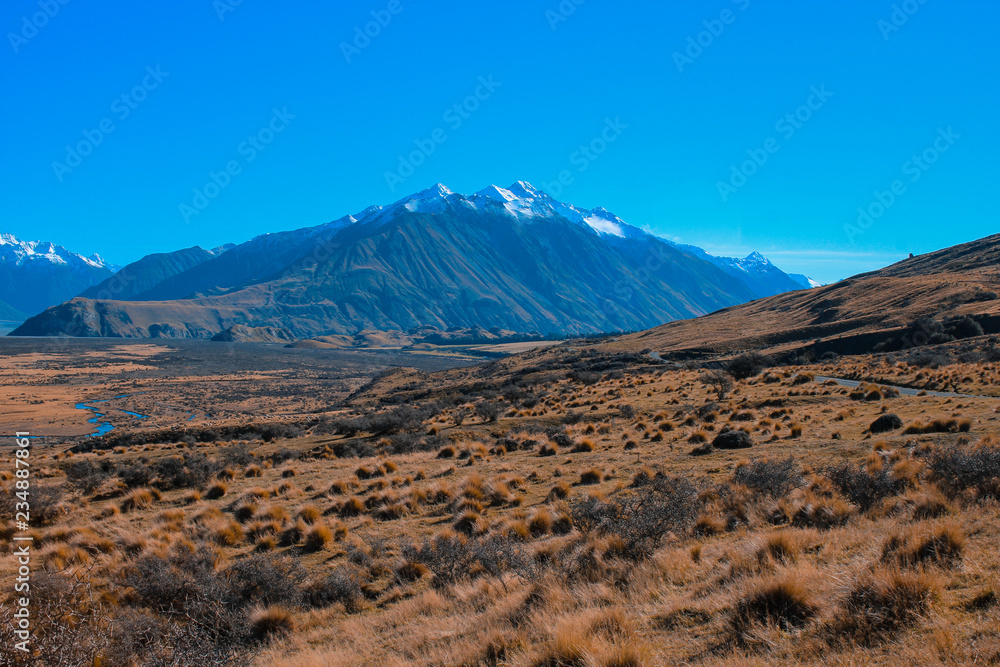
<point>960,468</point>
<point>721,383</point>
<point>862,486</point>
<point>886,423</point>
<point>264,580</point>
<point>342,586</point>
<point>641,518</point>
<point>86,476</point>
<point>451,557</point>
<point>775,478</point>
<point>733,439</point>
<point>747,365</point>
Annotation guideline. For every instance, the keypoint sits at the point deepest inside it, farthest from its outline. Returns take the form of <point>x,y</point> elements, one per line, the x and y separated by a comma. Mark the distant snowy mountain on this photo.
<point>37,274</point>
<point>805,281</point>
<point>764,277</point>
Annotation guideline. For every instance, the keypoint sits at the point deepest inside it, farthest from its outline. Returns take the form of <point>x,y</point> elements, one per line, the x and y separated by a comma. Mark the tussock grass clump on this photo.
<point>318,537</point>
<point>267,623</point>
<point>309,514</point>
<point>352,506</point>
<point>253,471</point>
<point>786,603</point>
<point>245,511</point>
<point>540,522</point>
<point>939,426</point>
<point>216,490</point>
<point>883,602</point>
<point>583,445</point>
<point>560,491</point>
<point>941,546</point>
<point>228,534</point>
<point>140,499</point>
<point>592,476</point>
<point>698,437</point>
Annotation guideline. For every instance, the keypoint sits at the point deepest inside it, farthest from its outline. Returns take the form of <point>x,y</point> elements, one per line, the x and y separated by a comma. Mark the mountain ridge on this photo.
<point>513,258</point>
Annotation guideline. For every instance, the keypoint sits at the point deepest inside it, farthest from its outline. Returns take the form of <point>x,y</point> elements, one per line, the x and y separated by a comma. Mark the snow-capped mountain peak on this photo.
<point>16,252</point>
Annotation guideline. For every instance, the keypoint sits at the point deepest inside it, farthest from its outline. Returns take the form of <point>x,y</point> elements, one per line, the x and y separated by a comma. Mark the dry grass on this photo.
<point>482,560</point>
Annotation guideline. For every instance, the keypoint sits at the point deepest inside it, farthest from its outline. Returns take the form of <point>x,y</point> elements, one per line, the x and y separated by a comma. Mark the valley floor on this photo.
<point>540,510</point>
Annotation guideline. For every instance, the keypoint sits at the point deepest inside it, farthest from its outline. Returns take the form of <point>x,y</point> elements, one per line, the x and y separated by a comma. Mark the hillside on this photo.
<point>851,316</point>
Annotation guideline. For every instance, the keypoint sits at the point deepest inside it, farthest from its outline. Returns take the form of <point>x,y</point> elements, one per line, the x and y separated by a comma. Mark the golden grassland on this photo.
<point>570,526</point>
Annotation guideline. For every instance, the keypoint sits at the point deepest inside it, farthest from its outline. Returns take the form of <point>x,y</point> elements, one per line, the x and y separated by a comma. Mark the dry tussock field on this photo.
<point>568,507</point>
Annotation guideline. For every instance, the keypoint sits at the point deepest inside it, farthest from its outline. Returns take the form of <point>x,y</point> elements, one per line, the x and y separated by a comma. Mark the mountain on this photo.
<point>869,311</point>
<point>10,314</point>
<point>757,271</point>
<point>133,281</point>
<point>805,282</point>
<point>35,275</point>
<point>512,258</point>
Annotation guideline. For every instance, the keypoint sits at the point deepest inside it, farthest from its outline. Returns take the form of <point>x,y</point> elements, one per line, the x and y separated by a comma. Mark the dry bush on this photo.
<point>962,468</point>
<point>774,478</point>
<point>592,476</point>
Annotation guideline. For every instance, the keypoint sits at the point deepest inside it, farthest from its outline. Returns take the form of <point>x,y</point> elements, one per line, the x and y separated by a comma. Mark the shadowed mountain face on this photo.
<point>132,281</point>
<point>854,315</point>
<point>509,258</point>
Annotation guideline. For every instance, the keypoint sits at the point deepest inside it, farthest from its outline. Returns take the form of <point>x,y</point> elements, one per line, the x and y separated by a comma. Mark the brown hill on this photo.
<point>854,315</point>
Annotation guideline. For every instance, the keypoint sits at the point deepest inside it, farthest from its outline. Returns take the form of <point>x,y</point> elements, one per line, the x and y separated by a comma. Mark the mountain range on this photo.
<point>37,274</point>
<point>510,258</point>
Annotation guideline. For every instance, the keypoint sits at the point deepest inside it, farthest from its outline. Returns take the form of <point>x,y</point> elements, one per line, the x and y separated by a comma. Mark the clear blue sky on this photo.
<point>559,81</point>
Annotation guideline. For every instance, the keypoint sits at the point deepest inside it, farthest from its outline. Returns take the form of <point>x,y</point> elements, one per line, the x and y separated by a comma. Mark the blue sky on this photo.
<point>695,90</point>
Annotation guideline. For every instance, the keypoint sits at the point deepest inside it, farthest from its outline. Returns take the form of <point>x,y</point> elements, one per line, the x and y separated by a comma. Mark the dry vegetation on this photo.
<point>560,508</point>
